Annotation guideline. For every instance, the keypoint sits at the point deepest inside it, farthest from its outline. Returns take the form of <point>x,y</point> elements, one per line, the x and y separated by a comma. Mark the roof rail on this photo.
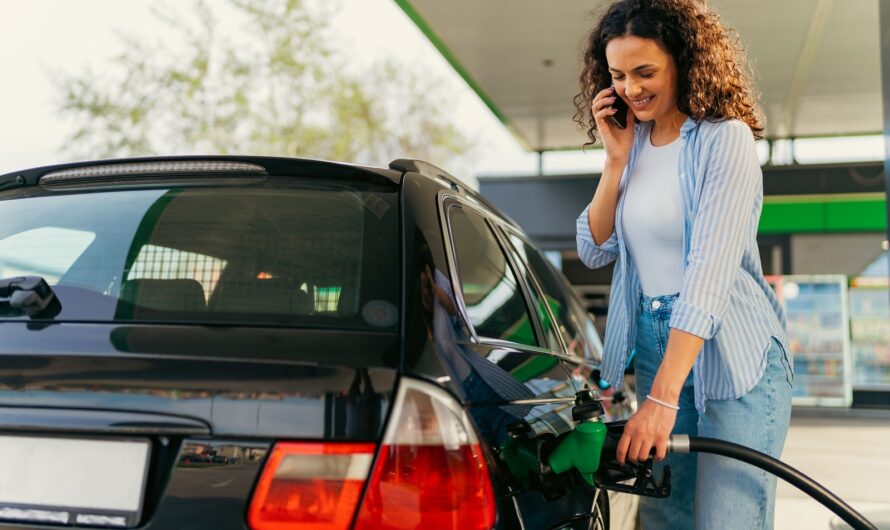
<point>426,169</point>
<point>429,170</point>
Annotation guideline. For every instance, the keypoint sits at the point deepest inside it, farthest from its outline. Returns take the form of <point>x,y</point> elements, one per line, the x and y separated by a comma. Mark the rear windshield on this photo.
<point>283,251</point>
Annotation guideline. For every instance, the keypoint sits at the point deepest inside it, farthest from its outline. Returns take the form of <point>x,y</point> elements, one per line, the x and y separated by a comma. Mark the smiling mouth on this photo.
<point>641,102</point>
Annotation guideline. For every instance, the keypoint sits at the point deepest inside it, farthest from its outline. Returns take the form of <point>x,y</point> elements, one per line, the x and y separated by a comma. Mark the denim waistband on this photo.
<point>657,305</point>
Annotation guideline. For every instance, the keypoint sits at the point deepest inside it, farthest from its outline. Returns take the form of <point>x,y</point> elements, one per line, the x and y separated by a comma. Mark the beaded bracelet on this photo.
<point>662,403</point>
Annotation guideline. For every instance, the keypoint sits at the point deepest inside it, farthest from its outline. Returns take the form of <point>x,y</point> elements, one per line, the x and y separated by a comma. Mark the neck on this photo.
<point>665,130</point>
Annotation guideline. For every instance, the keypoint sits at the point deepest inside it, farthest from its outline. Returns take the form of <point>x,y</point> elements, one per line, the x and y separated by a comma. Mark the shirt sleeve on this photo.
<point>591,254</point>
<point>720,230</point>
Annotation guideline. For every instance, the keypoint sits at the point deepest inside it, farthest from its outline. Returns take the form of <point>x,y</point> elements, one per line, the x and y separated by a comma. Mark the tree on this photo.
<point>275,86</point>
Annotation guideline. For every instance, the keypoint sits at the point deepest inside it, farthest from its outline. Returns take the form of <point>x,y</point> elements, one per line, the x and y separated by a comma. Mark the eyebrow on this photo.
<point>637,69</point>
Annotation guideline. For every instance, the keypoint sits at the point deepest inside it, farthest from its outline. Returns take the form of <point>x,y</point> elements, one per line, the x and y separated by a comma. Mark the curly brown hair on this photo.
<point>714,80</point>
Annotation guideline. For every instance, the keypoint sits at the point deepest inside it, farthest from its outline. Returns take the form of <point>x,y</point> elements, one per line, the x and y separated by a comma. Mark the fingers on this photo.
<point>638,449</point>
<point>648,448</point>
<point>633,446</point>
<point>646,435</point>
<point>601,109</point>
<point>602,99</point>
<point>600,103</point>
<point>621,450</point>
<point>660,450</point>
<point>603,113</point>
<point>600,115</point>
<point>600,96</point>
<point>608,91</point>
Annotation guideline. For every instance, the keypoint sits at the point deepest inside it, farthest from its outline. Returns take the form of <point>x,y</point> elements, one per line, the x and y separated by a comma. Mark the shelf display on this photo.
<point>816,308</point>
<point>870,336</point>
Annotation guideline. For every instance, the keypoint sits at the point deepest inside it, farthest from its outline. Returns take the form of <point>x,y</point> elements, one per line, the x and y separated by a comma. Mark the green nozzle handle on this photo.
<point>521,458</point>
<point>580,449</point>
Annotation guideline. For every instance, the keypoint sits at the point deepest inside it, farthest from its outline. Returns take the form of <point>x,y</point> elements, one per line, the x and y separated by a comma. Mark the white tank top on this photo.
<point>653,219</point>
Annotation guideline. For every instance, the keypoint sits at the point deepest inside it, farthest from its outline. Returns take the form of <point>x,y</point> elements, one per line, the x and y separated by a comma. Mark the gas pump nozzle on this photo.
<point>635,478</point>
<point>542,462</point>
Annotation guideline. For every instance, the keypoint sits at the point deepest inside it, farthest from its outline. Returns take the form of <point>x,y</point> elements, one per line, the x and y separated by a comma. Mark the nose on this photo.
<point>631,89</point>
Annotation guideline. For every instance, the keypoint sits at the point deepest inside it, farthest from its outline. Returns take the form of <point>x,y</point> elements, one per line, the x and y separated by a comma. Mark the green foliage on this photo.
<point>275,86</point>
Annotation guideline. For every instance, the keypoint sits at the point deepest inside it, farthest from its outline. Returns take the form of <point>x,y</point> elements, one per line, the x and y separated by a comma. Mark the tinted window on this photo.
<point>538,301</point>
<point>556,295</point>
<point>292,251</point>
<point>494,302</point>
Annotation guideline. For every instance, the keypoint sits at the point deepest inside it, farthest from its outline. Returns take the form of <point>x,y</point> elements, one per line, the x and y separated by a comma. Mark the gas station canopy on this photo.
<point>816,62</point>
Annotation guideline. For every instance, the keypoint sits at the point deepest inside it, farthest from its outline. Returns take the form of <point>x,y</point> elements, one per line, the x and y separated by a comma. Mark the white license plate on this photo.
<point>96,482</point>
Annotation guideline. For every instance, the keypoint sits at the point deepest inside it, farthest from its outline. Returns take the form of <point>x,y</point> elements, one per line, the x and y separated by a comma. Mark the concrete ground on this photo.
<point>848,452</point>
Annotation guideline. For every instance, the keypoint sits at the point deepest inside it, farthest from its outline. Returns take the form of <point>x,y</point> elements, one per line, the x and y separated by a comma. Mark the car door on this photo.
<point>583,349</point>
<point>517,376</point>
<point>574,325</point>
<point>555,301</point>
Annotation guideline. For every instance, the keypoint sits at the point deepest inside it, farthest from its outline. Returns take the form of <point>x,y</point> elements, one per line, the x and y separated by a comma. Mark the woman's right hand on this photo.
<point>616,142</point>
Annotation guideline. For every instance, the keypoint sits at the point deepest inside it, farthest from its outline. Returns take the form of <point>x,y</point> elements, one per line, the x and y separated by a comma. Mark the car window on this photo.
<point>46,251</point>
<point>163,263</point>
<point>556,295</point>
<point>538,301</point>
<point>495,305</point>
<point>286,251</point>
<point>589,338</point>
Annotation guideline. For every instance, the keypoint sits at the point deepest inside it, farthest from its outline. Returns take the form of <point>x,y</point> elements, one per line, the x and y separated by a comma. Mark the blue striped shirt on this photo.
<point>725,300</point>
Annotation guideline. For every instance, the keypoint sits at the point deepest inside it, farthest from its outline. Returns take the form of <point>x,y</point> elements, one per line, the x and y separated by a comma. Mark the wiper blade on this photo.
<point>28,295</point>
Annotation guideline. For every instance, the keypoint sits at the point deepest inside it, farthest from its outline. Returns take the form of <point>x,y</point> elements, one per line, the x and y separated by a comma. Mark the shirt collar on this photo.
<point>688,126</point>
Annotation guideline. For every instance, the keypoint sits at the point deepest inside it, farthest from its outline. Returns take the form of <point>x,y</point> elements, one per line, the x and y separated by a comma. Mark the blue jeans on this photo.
<point>710,491</point>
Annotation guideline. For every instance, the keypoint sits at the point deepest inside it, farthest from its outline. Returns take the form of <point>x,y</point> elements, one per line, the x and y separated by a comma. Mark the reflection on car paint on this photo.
<point>219,453</point>
<point>201,494</point>
<point>491,383</point>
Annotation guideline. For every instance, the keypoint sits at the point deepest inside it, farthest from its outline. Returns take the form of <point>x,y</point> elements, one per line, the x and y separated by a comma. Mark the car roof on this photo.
<point>283,166</point>
<point>449,181</point>
<point>272,166</point>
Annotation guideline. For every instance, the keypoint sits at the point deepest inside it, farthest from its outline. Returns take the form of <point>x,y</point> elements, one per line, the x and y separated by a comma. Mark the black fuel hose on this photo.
<point>694,444</point>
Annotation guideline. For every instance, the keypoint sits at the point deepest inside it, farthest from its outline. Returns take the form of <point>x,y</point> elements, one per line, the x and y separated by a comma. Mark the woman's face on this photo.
<point>645,76</point>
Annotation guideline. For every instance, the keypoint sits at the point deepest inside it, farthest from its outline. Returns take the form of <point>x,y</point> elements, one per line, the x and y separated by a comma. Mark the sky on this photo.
<point>41,37</point>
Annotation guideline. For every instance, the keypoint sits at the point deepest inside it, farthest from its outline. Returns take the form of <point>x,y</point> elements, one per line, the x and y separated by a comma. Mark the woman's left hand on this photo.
<point>650,427</point>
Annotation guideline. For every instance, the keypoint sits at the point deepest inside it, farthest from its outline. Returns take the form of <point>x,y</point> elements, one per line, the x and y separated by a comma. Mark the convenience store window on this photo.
<point>837,306</point>
<point>816,308</point>
<point>870,327</point>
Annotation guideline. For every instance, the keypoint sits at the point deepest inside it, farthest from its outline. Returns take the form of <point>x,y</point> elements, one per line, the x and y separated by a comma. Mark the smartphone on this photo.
<point>619,119</point>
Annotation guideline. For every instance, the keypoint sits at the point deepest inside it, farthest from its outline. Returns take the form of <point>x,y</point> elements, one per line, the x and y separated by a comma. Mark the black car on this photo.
<point>363,347</point>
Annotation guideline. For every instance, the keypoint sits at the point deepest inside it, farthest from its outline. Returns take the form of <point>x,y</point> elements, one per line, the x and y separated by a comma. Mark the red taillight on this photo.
<point>430,472</point>
<point>310,486</point>
<point>428,487</point>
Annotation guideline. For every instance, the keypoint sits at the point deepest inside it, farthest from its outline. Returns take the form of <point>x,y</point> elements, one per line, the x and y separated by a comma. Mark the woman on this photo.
<point>677,208</point>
